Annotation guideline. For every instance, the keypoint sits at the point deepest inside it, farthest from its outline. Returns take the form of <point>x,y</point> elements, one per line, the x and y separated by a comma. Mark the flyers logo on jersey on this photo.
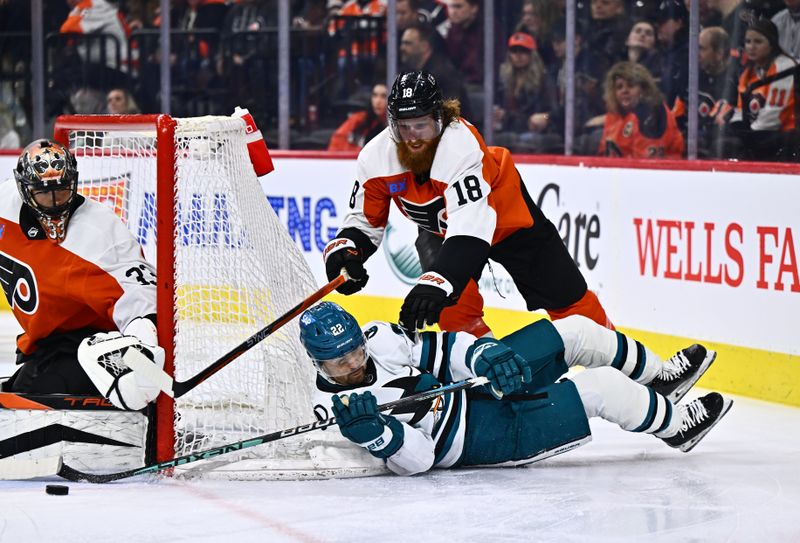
<point>627,130</point>
<point>429,215</point>
<point>19,284</point>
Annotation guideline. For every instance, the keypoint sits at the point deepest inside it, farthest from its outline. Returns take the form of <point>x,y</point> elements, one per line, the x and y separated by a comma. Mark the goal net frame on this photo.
<point>166,170</point>
<point>225,267</point>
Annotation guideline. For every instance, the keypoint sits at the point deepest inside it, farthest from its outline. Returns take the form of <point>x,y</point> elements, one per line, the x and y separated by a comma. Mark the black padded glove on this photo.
<point>343,253</point>
<point>425,302</point>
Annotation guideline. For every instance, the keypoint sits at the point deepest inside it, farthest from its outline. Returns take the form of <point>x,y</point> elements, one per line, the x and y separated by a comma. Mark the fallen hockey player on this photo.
<point>525,414</point>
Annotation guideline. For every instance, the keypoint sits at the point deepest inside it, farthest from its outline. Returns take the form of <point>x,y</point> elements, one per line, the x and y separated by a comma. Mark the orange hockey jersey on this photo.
<point>771,107</point>
<point>97,278</point>
<point>624,136</point>
<point>99,17</point>
<point>474,190</point>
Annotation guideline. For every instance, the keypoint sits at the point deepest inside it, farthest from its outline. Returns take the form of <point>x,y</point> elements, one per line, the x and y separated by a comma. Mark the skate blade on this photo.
<point>689,445</point>
<point>677,395</point>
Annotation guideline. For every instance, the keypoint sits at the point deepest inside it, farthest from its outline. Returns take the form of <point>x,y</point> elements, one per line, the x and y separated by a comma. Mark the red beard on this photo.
<point>421,161</point>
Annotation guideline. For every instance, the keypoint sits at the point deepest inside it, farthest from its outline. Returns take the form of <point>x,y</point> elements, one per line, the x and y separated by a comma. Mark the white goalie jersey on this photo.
<point>398,367</point>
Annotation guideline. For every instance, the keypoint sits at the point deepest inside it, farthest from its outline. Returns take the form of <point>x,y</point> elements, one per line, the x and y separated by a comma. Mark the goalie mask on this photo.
<point>47,180</point>
<point>334,342</point>
<point>414,95</point>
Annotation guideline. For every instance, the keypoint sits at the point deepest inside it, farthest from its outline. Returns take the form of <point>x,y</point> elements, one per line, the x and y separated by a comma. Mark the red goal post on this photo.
<point>164,127</point>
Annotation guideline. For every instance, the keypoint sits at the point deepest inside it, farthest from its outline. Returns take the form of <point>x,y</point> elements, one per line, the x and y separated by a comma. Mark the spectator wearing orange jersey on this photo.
<point>638,123</point>
<point>98,17</point>
<point>359,42</point>
<point>362,126</point>
<point>764,118</point>
<point>376,8</point>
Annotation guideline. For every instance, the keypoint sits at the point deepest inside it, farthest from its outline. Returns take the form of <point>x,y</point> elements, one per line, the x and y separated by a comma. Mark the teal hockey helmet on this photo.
<point>333,340</point>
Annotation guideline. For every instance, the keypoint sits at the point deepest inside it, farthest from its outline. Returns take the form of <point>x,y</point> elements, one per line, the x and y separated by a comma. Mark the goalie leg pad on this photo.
<point>111,361</point>
<point>32,441</point>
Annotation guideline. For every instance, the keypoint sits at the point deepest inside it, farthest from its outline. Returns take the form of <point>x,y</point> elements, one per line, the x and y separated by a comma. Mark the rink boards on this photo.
<point>675,255</point>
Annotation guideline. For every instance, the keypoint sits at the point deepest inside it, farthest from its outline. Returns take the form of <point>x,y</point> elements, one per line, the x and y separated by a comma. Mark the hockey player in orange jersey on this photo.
<point>74,278</point>
<point>470,205</point>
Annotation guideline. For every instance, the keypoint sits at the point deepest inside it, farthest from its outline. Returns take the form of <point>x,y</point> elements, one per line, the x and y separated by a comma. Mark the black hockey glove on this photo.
<point>425,302</point>
<point>343,253</point>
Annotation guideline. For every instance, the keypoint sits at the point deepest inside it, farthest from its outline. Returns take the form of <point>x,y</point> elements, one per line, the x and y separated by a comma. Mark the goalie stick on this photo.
<point>176,389</point>
<point>72,474</point>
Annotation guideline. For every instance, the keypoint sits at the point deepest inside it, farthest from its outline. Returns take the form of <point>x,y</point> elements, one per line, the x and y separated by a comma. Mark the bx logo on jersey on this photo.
<point>19,284</point>
<point>396,187</point>
<point>396,184</point>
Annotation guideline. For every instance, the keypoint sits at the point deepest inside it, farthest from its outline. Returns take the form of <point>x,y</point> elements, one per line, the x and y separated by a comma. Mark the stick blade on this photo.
<point>72,474</point>
<point>76,476</point>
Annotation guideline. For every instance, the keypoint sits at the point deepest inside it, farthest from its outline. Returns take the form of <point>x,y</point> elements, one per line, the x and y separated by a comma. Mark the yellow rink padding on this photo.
<point>756,373</point>
<point>221,304</point>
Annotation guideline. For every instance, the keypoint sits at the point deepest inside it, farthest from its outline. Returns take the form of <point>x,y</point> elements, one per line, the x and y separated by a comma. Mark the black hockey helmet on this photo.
<point>414,94</point>
<point>46,168</point>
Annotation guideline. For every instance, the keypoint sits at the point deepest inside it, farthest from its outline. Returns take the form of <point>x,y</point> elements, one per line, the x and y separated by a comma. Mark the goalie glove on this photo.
<point>343,253</point>
<point>110,360</point>
<point>360,421</point>
<point>506,370</point>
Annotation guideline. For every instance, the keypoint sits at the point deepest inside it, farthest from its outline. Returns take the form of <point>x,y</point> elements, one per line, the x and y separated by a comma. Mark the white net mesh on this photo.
<point>236,270</point>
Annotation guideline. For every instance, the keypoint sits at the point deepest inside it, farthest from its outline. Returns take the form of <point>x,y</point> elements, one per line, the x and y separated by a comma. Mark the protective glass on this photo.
<point>344,365</point>
<point>419,128</point>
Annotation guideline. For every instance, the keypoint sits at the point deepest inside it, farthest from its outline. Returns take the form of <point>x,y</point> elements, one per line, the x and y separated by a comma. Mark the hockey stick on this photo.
<point>71,474</point>
<point>176,389</point>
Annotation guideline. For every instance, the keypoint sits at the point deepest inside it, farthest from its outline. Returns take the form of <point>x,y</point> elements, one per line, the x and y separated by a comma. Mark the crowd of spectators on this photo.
<point>631,69</point>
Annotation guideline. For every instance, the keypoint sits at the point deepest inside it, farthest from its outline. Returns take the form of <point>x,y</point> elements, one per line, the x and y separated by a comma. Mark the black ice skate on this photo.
<point>682,371</point>
<point>699,416</point>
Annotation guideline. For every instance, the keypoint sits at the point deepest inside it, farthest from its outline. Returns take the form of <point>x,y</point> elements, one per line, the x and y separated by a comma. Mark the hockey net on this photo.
<point>226,267</point>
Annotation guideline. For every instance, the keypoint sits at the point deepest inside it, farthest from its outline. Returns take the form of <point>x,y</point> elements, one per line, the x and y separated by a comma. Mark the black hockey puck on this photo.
<point>57,490</point>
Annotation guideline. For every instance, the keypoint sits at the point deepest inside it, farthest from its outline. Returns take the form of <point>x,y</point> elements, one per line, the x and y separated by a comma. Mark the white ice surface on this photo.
<point>741,484</point>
